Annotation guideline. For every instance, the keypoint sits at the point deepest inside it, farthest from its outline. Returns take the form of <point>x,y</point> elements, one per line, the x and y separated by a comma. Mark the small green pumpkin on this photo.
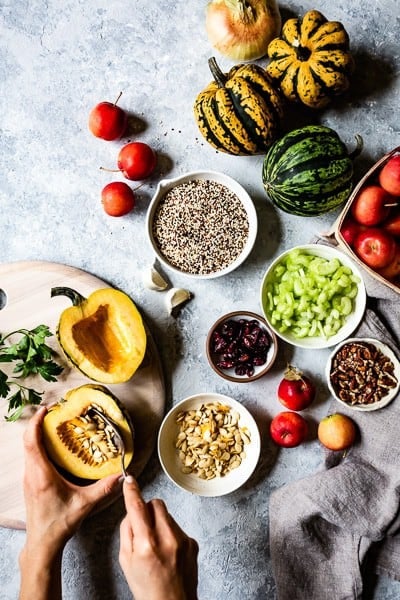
<point>239,112</point>
<point>309,171</point>
<point>311,60</point>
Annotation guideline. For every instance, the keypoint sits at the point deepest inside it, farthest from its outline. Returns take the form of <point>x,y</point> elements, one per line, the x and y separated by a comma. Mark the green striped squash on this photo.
<point>309,171</point>
<point>239,112</point>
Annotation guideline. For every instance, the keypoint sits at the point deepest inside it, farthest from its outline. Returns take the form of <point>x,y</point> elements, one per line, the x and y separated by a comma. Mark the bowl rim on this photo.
<point>271,356</point>
<point>317,342</point>
<point>385,348</point>
<point>231,481</point>
<point>165,185</point>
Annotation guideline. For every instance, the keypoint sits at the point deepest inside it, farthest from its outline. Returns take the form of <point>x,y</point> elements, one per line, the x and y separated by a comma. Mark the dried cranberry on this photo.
<point>241,344</point>
<point>218,343</point>
<point>259,359</point>
<point>263,340</point>
<point>226,363</point>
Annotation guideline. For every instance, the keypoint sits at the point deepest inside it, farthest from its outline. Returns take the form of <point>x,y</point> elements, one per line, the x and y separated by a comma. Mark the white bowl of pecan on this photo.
<point>209,444</point>
<point>363,374</point>
<point>202,224</point>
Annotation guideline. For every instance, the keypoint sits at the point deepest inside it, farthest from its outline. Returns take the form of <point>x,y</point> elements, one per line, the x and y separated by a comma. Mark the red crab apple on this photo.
<point>389,177</point>
<point>118,199</point>
<point>350,229</point>
<point>296,391</point>
<point>369,206</point>
<point>392,270</point>
<point>392,224</point>
<point>288,429</point>
<point>108,121</point>
<point>375,247</point>
<point>136,160</point>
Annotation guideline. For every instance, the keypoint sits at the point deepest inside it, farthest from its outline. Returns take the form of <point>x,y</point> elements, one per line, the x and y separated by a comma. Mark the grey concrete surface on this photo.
<point>58,59</point>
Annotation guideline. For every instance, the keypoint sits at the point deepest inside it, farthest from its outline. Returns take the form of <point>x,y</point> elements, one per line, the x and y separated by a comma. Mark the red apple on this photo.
<point>392,270</point>
<point>108,121</point>
<point>118,199</point>
<point>389,177</point>
<point>368,207</point>
<point>375,247</point>
<point>296,391</point>
<point>392,224</point>
<point>288,429</point>
<point>350,229</point>
<point>136,160</point>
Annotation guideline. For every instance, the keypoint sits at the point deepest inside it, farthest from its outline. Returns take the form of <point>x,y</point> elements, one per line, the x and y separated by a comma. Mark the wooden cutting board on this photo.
<point>25,301</point>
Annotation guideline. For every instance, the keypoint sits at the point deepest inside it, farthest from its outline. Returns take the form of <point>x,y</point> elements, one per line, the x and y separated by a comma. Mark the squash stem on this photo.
<point>218,75</point>
<point>358,148</point>
<point>75,297</point>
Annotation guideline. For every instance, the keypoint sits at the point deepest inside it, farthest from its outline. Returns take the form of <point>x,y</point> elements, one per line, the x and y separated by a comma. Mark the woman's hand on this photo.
<point>54,510</point>
<point>158,559</point>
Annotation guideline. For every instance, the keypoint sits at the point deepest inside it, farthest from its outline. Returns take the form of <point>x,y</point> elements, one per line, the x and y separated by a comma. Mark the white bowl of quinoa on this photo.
<point>202,224</point>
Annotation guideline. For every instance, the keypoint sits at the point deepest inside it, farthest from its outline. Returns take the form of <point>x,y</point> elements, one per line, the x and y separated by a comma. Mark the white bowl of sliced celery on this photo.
<point>313,296</point>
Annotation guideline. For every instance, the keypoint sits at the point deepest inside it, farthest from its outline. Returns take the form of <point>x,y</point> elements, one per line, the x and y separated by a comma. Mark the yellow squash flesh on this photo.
<point>68,433</point>
<point>102,335</point>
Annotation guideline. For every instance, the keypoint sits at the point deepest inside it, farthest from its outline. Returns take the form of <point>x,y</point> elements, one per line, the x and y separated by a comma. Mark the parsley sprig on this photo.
<point>32,356</point>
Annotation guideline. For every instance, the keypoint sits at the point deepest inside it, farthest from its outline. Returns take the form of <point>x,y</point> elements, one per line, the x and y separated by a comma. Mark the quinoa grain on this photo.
<point>200,227</point>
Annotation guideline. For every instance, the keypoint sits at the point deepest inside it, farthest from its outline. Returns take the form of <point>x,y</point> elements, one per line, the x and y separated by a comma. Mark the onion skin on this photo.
<point>242,29</point>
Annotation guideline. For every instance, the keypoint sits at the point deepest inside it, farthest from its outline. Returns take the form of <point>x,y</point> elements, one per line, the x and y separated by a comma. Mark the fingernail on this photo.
<point>129,479</point>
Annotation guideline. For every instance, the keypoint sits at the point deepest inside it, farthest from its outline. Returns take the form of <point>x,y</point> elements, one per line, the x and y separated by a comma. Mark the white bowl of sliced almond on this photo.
<point>209,444</point>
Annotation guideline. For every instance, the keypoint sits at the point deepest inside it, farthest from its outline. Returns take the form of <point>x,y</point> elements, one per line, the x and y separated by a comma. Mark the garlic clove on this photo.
<point>153,280</point>
<point>176,298</point>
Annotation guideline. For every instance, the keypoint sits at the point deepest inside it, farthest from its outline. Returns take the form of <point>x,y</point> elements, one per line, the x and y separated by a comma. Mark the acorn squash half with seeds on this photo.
<point>102,335</point>
<point>79,442</point>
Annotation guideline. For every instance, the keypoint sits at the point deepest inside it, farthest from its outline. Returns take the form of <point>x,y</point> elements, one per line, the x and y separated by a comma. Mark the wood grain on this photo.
<point>25,293</point>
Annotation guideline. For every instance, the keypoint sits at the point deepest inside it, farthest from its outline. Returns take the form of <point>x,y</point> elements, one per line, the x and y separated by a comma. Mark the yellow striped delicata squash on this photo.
<point>239,112</point>
<point>311,60</point>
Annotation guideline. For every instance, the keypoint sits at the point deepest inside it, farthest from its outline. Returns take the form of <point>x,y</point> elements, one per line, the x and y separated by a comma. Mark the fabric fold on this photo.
<point>327,528</point>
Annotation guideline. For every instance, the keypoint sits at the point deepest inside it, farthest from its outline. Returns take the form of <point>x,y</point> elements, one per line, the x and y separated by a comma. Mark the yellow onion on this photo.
<point>242,29</point>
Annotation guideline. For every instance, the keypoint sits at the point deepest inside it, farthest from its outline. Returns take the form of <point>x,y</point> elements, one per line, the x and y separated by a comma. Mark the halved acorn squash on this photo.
<point>79,442</point>
<point>102,335</point>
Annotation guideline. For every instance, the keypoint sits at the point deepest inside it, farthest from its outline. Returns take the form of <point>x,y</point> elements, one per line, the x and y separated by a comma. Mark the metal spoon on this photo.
<point>118,437</point>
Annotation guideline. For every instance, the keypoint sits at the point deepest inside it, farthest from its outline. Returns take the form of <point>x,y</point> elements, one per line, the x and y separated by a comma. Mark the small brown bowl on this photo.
<point>228,373</point>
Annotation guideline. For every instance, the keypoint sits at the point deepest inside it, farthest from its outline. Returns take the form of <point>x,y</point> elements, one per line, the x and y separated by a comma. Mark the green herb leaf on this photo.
<point>4,387</point>
<point>15,415</point>
<point>32,356</point>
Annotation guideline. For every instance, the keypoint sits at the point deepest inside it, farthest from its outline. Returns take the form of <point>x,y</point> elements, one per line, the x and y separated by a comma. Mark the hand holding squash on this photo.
<point>54,510</point>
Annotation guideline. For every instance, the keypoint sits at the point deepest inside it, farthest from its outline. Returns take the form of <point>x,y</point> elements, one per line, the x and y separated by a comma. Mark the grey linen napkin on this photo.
<point>327,528</point>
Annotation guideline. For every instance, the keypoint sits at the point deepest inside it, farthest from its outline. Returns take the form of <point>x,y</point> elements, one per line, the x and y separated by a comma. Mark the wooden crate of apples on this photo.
<point>369,226</point>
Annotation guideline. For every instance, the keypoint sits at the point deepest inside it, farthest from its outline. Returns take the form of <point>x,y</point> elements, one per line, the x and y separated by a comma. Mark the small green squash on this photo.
<point>102,335</point>
<point>309,171</point>
<point>311,60</point>
<point>239,112</point>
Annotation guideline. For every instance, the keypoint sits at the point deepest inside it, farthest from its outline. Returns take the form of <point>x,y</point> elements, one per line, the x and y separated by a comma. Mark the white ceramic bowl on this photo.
<point>172,465</point>
<point>259,371</point>
<point>167,184</point>
<point>384,401</point>
<point>353,318</point>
